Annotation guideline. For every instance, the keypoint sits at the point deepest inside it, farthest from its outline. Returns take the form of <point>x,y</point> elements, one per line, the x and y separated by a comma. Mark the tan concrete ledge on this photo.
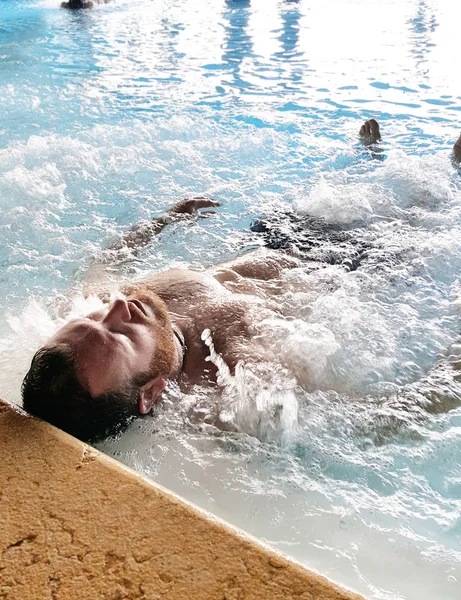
<point>77,525</point>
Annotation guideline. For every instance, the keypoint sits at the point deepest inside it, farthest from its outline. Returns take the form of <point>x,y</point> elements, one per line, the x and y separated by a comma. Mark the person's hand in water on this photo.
<point>141,234</point>
<point>191,206</point>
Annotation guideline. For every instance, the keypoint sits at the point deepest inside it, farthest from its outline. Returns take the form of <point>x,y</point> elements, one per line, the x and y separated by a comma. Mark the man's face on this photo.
<point>119,343</point>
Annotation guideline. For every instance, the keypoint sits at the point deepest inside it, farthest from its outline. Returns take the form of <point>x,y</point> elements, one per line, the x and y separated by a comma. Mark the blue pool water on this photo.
<point>108,116</point>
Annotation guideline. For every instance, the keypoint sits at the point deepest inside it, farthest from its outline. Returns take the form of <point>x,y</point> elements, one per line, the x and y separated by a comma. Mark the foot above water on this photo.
<point>369,132</point>
<point>77,4</point>
<point>456,154</point>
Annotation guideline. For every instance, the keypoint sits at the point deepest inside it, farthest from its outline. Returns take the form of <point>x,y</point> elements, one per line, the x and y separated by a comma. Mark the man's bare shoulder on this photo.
<point>262,264</point>
<point>232,277</point>
<point>178,284</point>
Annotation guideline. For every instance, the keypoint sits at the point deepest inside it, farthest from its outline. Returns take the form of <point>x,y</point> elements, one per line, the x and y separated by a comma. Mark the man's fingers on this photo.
<point>201,202</point>
<point>191,205</point>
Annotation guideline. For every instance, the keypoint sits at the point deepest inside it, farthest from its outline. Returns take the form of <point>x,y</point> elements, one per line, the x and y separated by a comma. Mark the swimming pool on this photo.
<point>110,115</point>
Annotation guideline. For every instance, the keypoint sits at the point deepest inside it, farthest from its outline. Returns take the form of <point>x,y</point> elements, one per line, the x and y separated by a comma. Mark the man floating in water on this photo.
<point>99,371</point>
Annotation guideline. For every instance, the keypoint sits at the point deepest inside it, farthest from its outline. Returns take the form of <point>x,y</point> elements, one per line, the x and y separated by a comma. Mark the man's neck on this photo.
<point>180,344</point>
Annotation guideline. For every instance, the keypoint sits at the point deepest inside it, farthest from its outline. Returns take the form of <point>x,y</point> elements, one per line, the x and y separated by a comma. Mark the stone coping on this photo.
<point>77,525</point>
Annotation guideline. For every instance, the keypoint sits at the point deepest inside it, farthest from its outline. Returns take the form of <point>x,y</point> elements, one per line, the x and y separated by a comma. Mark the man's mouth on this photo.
<point>139,306</point>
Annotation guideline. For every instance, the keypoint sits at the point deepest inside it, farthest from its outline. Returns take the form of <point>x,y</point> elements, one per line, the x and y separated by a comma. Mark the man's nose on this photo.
<point>118,312</point>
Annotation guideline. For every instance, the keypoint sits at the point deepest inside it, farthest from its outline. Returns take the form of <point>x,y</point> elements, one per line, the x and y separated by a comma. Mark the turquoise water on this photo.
<point>108,116</point>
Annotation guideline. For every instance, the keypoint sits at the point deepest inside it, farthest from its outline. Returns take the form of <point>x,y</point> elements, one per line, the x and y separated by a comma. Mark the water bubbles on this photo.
<point>339,447</point>
<point>338,203</point>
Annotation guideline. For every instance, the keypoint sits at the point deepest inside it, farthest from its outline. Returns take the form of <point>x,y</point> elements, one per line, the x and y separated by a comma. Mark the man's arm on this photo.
<point>103,269</point>
<point>142,233</point>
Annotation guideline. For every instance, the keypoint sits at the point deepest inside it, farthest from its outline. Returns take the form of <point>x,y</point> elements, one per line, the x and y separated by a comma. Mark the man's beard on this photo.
<point>164,358</point>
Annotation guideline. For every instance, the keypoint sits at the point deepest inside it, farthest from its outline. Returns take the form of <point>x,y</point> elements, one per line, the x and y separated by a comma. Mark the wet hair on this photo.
<point>52,392</point>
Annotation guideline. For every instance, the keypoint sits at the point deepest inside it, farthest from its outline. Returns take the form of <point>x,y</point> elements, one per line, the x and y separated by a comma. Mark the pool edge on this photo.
<point>78,524</point>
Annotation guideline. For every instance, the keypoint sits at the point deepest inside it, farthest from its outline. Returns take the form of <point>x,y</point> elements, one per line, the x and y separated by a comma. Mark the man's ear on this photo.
<point>149,393</point>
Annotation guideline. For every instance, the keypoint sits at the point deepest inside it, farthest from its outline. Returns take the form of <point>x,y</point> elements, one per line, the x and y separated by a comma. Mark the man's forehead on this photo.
<point>99,363</point>
<point>74,329</point>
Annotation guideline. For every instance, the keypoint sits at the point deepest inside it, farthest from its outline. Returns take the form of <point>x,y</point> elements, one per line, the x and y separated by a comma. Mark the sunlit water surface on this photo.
<point>108,116</point>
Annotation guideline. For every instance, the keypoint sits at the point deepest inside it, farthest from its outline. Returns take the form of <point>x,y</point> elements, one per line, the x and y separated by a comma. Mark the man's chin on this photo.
<point>165,356</point>
<point>152,303</point>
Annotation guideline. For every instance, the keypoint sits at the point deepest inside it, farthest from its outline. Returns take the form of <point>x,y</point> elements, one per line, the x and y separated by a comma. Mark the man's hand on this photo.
<point>141,234</point>
<point>189,206</point>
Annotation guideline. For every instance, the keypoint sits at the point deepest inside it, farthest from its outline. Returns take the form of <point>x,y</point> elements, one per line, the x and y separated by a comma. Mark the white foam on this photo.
<point>342,203</point>
<point>423,181</point>
<point>354,467</point>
